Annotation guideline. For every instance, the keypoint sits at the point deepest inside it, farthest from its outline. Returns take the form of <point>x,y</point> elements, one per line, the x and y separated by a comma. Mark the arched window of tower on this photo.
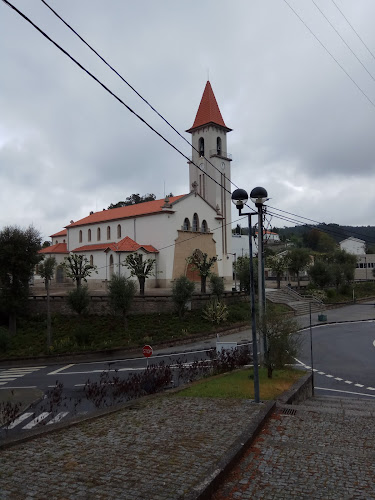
<point>195,223</point>
<point>218,145</point>
<point>204,228</point>
<point>201,146</point>
<point>186,226</point>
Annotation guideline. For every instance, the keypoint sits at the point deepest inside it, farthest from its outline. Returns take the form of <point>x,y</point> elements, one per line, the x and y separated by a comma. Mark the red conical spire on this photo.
<point>208,111</point>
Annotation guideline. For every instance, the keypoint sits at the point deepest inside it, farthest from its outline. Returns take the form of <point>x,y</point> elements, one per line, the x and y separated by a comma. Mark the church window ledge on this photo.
<point>223,154</point>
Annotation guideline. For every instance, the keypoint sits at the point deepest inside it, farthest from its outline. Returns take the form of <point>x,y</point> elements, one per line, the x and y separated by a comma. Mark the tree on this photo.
<point>140,268</point>
<point>283,341</point>
<point>121,293</point>
<point>342,266</point>
<point>202,263</point>
<point>46,244</point>
<point>79,299</point>
<point>18,258</point>
<point>278,265</point>
<point>133,199</point>
<point>182,291</point>
<point>242,268</point>
<point>78,268</point>
<point>298,260</point>
<point>46,271</point>
<point>217,286</point>
<point>320,273</point>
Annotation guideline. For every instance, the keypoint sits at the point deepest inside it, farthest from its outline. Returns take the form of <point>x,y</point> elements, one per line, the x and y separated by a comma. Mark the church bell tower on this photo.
<point>210,169</point>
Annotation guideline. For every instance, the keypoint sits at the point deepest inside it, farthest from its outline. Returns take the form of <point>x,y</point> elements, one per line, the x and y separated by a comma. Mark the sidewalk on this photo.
<point>162,447</point>
<point>322,449</point>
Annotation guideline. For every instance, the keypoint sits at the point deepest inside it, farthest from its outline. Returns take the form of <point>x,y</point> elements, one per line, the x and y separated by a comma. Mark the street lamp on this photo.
<point>259,196</point>
<point>239,198</point>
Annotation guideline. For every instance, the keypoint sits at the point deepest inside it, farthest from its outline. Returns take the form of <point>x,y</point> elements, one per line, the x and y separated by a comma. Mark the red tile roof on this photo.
<point>58,248</point>
<point>64,232</point>
<point>125,245</point>
<point>146,208</point>
<point>208,111</point>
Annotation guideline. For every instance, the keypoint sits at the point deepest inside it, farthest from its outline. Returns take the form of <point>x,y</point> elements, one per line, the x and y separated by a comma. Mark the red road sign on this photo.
<point>147,351</point>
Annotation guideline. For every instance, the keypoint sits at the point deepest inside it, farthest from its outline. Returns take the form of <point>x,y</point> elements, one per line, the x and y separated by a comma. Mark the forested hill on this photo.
<point>339,233</point>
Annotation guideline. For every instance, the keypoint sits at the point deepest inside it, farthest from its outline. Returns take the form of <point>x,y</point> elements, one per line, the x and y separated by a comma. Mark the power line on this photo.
<point>343,40</point>
<point>330,54</point>
<point>315,221</point>
<point>113,94</point>
<point>327,229</point>
<point>352,27</point>
<point>131,87</point>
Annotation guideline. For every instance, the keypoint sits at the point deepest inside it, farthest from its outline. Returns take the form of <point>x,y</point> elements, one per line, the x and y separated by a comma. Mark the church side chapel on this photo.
<point>168,230</point>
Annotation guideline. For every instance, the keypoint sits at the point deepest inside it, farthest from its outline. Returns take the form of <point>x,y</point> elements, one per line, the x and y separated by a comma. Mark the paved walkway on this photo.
<point>326,450</point>
<point>158,448</point>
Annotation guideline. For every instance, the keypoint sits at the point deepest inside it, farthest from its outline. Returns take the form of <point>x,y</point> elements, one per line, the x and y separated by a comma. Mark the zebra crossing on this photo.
<point>11,374</point>
<point>44,418</point>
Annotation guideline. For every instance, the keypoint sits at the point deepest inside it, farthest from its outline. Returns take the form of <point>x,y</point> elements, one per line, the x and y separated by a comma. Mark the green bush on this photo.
<point>82,336</point>
<point>79,299</point>
<point>182,292</point>
<point>215,312</point>
<point>216,286</point>
<point>331,293</point>
<point>121,293</point>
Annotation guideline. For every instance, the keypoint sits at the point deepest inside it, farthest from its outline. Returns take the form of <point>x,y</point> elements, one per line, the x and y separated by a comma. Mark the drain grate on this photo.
<point>289,411</point>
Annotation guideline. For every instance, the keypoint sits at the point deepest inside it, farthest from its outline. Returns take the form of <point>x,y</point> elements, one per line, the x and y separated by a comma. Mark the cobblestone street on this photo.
<point>322,449</point>
<point>159,448</point>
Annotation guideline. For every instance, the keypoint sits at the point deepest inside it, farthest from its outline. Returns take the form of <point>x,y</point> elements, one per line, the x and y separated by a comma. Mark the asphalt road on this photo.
<point>343,362</point>
<point>343,358</point>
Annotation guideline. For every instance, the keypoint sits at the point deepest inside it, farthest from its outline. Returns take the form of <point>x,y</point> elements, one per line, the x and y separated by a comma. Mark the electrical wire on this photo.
<point>131,87</point>
<point>343,40</point>
<point>316,222</point>
<point>113,94</point>
<point>352,27</point>
<point>330,54</point>
<point>147,124</point>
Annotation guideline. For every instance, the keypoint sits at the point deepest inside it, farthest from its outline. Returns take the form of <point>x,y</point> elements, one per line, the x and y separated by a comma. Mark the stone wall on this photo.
<point>141,305</point>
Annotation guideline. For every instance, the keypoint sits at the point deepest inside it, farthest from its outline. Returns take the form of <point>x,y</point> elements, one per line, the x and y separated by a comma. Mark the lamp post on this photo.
<point>239,198</point>
<point>259,196</point>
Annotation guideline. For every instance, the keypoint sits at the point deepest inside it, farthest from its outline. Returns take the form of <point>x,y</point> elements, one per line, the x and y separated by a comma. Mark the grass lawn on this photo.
<point>237,384</point>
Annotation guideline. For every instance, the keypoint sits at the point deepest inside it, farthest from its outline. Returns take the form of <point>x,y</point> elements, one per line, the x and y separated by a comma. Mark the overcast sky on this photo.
<point>301,128</point>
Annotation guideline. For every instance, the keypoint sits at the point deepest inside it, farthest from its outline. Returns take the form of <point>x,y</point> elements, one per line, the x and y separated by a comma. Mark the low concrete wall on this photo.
<point>300,390</point>
<point>141,305</point>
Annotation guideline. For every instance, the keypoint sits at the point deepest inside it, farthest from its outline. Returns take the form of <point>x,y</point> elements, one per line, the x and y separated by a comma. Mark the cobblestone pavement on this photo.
<point>156,449</point>
<point>326,450</point>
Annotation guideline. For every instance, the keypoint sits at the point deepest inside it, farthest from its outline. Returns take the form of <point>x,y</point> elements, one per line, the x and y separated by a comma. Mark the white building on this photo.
<point>353,246</point>
<point>170,229</point>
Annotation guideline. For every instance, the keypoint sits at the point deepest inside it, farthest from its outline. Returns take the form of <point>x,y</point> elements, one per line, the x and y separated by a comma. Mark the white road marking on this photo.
<point>370,388</point>
<point>18,420</point>
<point>60,369</point>
<point>36,420</point>
<point>315,369</point>
<point>321,373</point>
<point>20,387</point>
<point>329,376</point>
<point>346,392</point>
<point>58,417</point>
<point>338,378</point>
<point>348,382</point>
<point>373,343</point>
<point>359,385</point>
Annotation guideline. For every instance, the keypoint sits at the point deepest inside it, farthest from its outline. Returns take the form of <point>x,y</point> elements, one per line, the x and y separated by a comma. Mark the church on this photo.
<point>167,230</point>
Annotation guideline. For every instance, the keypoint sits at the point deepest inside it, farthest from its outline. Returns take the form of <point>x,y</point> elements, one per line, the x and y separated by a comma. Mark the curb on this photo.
<point>206,488</point>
